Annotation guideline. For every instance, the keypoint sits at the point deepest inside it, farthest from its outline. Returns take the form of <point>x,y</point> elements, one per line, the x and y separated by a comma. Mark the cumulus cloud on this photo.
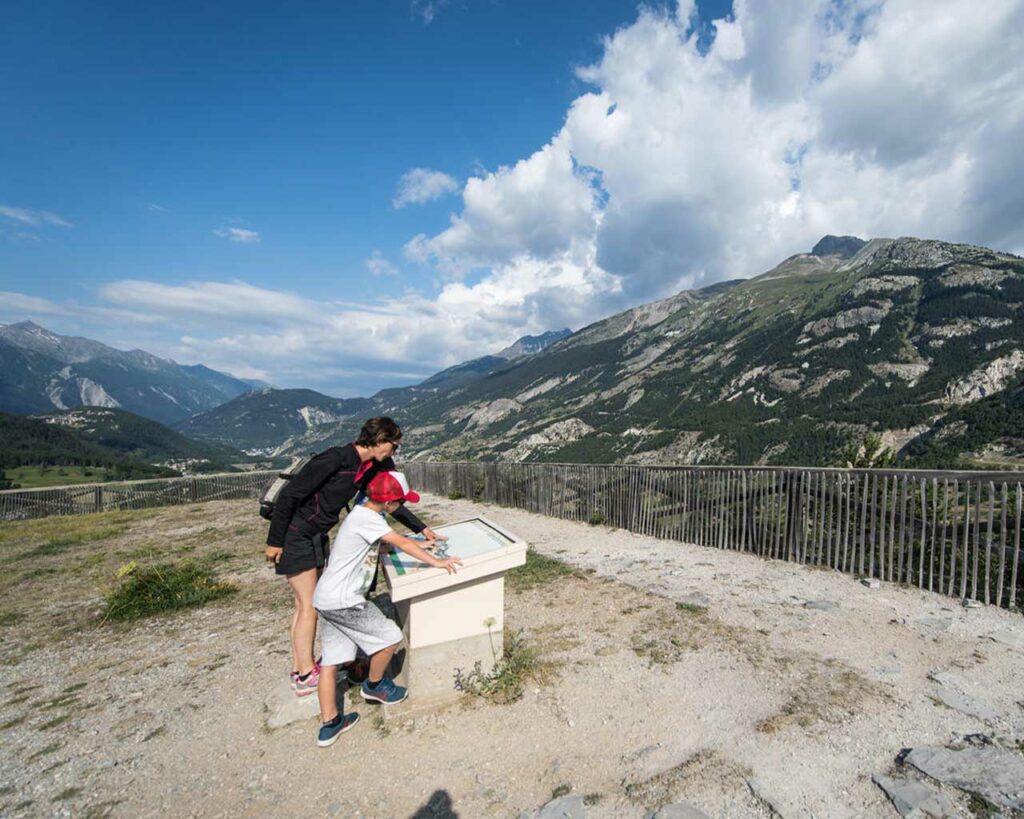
<point>33,218</point>
<point>422,185</point>
<point>234,234</point>
<point>685,164</point>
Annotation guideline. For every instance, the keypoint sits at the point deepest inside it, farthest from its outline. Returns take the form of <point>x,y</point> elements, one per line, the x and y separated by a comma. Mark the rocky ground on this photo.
<point>673,678</point>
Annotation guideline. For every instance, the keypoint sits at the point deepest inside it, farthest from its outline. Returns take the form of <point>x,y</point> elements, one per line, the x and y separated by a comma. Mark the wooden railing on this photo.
<point>956,533</point>
<point>22,504</point>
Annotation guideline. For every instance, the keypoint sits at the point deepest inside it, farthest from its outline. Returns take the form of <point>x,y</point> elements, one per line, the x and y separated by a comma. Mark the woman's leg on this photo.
<point>304,620</point>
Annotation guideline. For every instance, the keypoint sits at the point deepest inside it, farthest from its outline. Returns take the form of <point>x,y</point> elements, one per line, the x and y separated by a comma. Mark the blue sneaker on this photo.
<point>330,731</point>
<point>386,692</point>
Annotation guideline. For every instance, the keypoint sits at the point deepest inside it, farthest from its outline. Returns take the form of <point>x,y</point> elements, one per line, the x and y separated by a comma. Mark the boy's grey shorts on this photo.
<point>363,626</point>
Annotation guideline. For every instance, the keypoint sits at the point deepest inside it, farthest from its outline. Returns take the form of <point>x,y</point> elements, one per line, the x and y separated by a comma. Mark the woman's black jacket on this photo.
<point>312,501</point>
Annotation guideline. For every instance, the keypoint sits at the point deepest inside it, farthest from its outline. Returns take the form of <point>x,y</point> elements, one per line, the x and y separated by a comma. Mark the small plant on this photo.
<point>504,683</point>
<point>691,608</point>
<point>166,587</point>
<point>455,494</point>
<point>537,571</point>
<point>380,725</point>
<point>598,519</point>
<point>561,790</point>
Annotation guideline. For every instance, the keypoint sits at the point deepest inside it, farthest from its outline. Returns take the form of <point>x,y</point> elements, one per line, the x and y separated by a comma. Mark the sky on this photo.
<point>355,195</point>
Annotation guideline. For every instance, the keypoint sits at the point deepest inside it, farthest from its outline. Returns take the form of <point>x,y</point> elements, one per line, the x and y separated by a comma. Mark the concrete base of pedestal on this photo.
<point>429,671</point>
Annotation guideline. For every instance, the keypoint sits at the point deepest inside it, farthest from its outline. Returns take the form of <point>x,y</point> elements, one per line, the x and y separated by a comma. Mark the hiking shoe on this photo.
<point>305,687</point>
<point>330,731</point>
<point>386,692</point>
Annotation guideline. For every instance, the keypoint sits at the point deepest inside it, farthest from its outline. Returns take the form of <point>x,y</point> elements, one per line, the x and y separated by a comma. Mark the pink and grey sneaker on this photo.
<point>304,686</point>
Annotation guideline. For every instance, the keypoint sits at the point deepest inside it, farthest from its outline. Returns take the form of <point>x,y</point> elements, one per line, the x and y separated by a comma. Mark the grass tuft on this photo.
<point>538,571</point>
<point>144,591</point>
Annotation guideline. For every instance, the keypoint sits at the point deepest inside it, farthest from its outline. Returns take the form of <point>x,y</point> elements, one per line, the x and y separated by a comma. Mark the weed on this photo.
<point>67,793</point>
<point>598,519</point>
<point>504,683</point>
<point>691,608</point>
<point>561,790</point>
<point>144,591</point>
<point>10,618</point>
<point>455,494</point>
<point>12,722</point>
<point>159,731</point>
<point>53,723</point>
<point>380,725</point>
<point>101,809</point>
<point>218,556</point>
<point>538,571</point>
<point>592,799</point>
<point>75,687</point>
<point>48,749</point>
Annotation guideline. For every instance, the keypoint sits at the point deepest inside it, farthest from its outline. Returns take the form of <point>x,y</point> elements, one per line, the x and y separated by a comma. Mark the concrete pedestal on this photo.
<point>453,621</point>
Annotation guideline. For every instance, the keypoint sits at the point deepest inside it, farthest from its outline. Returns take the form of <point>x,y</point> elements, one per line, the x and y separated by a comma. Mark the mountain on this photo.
<point>263,421</point>
<point>144,440</point>
<point>26,441</point>
<point>920,341</point>
<point>531,345</point>
<point>258,422</point>
<point>41,371</point>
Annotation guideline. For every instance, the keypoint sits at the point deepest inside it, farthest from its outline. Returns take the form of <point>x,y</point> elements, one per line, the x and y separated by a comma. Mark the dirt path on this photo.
<point>678,672</point>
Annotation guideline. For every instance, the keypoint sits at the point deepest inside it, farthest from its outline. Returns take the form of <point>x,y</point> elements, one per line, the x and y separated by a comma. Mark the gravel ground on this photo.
<point>674,672</point>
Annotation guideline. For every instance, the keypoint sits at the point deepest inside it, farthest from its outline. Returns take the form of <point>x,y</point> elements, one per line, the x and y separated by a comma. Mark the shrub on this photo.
<point>142,592</point>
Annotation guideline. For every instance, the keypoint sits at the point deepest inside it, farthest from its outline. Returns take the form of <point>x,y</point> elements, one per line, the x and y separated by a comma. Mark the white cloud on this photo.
<point>33,218</point>
<point>426,10</point>
<point>234,234</point>
<point>422,185</point>
<point>380,266</point>
<point>802,118</point>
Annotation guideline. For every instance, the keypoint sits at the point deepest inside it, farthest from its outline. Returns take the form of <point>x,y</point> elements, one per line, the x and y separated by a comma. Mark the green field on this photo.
<point>33,477</point>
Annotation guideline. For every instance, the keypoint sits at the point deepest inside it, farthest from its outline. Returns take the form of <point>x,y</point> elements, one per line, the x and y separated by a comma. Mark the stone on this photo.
<point>915,799</point>
<point>969,603</point>
<point>871,582</point>
<point>284,708</point>
<point>680,810</point>
<point>564,807</point>
<point>695,599</point>
<point>821,605</point>
<point>993,773</point>
<point>1014,638</point>
<point>965,704</point>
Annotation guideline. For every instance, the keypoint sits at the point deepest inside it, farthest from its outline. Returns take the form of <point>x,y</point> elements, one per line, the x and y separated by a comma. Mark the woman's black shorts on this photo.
<point>303,552</point>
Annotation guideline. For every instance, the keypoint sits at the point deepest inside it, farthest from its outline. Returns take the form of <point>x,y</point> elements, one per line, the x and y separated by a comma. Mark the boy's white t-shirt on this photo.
<point>353,561</point>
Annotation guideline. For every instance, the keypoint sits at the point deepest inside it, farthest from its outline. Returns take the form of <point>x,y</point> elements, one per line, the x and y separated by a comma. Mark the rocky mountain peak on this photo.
<point>529,345</point>
<point>842,246</point>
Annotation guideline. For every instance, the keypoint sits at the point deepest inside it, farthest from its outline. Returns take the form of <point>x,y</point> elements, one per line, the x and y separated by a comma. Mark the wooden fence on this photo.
<point>956,533</point>
<point>22,504</point>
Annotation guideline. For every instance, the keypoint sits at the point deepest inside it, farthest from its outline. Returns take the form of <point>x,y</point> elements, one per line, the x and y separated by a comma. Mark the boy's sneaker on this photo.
<point>385,692</point>
<point>330,731</point>
<point>305,687</point>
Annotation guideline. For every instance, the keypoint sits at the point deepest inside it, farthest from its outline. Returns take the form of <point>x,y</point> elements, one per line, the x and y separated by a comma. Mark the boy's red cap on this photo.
<point>391,486</point>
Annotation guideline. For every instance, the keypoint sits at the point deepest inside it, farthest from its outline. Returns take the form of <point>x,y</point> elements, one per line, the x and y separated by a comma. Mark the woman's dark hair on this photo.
<point>377,431</point>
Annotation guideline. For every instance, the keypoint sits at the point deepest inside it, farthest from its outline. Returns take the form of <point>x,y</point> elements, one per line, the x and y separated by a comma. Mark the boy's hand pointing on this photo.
<point>448,564</point>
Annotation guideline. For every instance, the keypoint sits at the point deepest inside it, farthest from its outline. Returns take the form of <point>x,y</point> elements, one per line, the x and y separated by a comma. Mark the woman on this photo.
<point>306,510</point>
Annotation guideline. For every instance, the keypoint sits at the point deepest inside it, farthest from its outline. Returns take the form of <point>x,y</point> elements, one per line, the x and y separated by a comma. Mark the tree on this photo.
<point>869,454</point>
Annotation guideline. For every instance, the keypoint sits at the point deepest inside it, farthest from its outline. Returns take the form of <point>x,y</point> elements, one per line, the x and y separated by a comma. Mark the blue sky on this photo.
<point>218,182</point>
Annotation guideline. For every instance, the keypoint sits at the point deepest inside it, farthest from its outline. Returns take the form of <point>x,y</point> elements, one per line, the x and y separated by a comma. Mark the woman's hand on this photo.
<point>273,554</point>
<point>433,536</point>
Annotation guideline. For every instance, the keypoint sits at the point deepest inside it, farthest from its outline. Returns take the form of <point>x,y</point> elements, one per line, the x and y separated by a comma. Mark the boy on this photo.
<point>347,620</point>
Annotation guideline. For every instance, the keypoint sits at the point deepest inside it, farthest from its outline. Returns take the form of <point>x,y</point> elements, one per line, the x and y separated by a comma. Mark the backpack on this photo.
<point>273,490</point>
